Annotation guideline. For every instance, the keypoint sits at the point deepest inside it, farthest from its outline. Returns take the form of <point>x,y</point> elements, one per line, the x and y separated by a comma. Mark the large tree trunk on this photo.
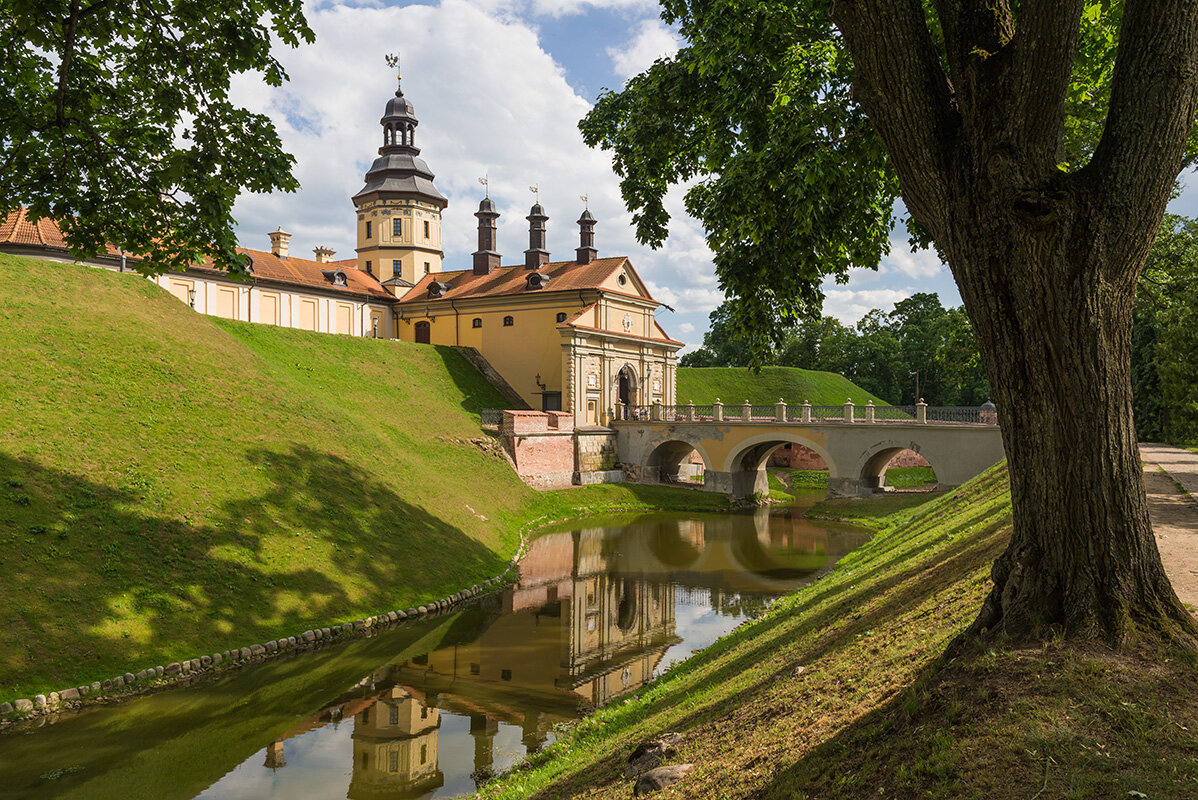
<point>1047,261</point>
<point>1055,335</point>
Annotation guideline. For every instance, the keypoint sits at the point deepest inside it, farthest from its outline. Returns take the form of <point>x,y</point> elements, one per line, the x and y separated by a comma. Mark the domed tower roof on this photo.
<point>398,169</point>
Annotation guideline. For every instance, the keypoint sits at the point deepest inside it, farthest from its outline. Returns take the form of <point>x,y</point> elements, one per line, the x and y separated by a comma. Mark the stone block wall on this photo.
<point>597,451</point>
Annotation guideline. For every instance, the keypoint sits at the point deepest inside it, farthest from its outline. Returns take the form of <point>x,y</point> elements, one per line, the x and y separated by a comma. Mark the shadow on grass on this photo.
<point>105,585</point>
<point>477,392</point>
<point>903,587</point>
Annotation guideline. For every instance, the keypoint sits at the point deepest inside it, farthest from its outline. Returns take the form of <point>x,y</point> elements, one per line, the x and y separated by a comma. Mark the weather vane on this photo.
<point>536,190</point>
<point>486,182</point>
<point>392,61</point>
<point>585,202</point>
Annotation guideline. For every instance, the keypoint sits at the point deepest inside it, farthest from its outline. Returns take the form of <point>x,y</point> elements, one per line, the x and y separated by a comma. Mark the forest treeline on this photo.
<point>920,343</point>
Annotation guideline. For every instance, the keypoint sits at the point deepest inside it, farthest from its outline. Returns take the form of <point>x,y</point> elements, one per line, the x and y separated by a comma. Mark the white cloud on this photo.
<point>919,265</point>
<point>850,305</point>
<point>685,328</point>
<point>490,99</point>
<point>651,41</point>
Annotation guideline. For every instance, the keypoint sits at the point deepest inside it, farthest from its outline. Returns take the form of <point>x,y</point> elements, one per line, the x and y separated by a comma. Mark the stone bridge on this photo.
<point>856,444</point>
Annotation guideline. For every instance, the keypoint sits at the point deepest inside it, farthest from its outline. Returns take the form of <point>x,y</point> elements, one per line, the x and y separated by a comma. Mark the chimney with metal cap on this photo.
<point>586,238</point>
<point>279,240</point>
<point>486,259</point>
<point>536,256</point>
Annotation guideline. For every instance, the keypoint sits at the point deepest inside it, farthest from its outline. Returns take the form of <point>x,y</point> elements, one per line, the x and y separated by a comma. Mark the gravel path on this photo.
<point>1174,516</point>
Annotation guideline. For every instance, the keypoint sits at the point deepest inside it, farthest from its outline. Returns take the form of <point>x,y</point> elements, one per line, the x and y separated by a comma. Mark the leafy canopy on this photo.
<point>755,116</point>
<point>118,122</point>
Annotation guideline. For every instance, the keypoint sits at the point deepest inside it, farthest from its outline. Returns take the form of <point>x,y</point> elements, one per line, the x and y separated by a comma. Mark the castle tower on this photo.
<point>399,208</point>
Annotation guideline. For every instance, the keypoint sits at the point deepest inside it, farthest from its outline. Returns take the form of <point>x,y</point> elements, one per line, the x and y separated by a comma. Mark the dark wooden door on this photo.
<point>422,333</point>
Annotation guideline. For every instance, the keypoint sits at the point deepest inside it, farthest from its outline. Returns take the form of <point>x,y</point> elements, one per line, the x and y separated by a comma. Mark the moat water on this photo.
<point>433,708</point>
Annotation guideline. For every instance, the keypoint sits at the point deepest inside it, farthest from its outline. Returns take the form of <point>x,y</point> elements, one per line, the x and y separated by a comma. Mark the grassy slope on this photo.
<point>734,385</point>
<point>172,484</point>
<point>841,691</point>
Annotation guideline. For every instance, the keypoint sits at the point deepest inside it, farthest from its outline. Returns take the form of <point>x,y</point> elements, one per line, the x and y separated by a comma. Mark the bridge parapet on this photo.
<point>780,412</point>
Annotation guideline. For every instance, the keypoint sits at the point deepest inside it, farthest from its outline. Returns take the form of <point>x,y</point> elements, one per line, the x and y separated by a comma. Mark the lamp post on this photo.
<point>191,297</point>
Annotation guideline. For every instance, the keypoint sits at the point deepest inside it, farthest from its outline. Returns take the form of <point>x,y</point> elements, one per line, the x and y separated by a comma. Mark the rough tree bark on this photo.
<point>1047,262</point>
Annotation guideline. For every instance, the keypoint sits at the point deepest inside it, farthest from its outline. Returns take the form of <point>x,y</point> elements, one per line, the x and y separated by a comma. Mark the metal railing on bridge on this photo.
<point>920,413</point>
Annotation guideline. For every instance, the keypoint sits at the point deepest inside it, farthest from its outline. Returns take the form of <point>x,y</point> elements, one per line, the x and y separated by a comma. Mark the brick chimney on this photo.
<point>536,256</point>
<point>586,238</point>
<point>279,240</point>
<point>486,259</point>
<point>323,254</point>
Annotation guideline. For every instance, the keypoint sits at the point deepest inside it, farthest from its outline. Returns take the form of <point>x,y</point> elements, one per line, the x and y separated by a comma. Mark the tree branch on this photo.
<point>1042,55</point>
<point>1154,93</point>
<point>901,86</point>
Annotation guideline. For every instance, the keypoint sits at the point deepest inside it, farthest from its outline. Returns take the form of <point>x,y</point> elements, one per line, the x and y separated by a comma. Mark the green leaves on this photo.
<point>120,125</point>
<point>782,167</point>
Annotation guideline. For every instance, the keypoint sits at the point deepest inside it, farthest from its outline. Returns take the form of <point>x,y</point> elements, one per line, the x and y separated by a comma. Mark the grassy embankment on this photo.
<point>841,691</point>
<point>172,484</point>
<point>735,385</point>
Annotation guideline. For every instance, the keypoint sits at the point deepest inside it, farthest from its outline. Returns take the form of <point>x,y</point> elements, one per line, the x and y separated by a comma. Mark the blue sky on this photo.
<point>498,87</point>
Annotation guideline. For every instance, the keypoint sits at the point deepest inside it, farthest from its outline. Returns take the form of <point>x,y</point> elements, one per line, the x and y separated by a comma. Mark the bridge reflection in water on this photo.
<point>593,617</point>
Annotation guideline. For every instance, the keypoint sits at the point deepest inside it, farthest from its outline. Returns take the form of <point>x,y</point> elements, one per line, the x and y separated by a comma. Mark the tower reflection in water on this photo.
<point>591,619</point>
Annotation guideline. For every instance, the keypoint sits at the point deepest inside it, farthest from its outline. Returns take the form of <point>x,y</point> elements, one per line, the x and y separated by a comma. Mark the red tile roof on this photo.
<point>563,276</point>
<point>19,229</point>
<point>305,272</point>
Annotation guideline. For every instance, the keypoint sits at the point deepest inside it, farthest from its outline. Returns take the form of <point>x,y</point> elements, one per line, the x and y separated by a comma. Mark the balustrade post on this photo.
<point>869,411</point>
<point>717,411</point>
<point>655,411</point>
<point>806,411</point>
<point>921,412</point>
<point>780,411</point>
<point>848,410</point>
<point>746,412</point>
<point>690,411</point>
<point>619,410</point>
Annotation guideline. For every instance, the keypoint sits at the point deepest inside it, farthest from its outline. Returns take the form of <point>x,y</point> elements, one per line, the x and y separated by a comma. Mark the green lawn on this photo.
<point>735,385</point>
<point>898,477</point>
<point>841,690</point>
<point>172,484</point>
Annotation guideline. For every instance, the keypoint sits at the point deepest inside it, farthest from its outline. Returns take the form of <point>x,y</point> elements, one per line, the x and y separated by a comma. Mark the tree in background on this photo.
<point>1165,336</point>
<point>1040,174</point>
<point>117,121</point>
<point>878,354</point>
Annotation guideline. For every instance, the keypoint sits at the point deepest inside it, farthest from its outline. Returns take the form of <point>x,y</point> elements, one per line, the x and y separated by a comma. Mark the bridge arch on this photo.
<point>869,471</point>
<point>751,454</point>
<point>666,462</point>
<point>743,471</point>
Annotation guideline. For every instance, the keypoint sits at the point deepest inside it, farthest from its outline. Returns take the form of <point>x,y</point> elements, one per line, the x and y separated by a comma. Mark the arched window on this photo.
<point>477,322</point>
<point>508,322</point>
<point>561,316</point>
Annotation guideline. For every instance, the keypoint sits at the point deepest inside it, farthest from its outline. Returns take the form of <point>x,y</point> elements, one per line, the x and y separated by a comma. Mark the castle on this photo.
<point>578,335</point>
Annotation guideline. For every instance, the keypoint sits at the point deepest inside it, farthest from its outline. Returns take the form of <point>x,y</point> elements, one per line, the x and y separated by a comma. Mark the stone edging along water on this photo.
<point>182,673</point>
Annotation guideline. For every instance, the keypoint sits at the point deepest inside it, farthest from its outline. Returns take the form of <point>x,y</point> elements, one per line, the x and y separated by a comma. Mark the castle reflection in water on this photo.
<point>591,619</point>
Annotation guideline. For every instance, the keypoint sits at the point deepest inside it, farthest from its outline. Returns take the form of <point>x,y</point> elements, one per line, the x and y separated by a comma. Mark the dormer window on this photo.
<point>536,280</point>
<point>336,276</point>
<point>437,289</point>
